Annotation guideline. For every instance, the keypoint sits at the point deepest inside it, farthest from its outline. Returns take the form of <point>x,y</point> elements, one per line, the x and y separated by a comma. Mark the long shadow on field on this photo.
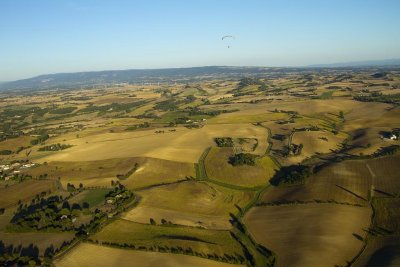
<point>182,237</point>
<point>383,193</point>
<point>348,191</point>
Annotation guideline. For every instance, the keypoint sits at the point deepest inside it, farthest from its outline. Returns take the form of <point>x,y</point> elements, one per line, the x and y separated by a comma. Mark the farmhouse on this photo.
<point>389,136</point>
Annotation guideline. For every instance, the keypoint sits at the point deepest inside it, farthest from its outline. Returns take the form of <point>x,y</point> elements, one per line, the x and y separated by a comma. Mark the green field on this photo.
<point>199,240</point>
<point>93,197</point>
<point>218,168</point>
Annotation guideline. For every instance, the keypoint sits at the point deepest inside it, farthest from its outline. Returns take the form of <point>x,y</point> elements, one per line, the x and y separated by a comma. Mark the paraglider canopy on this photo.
<point>228,39</point>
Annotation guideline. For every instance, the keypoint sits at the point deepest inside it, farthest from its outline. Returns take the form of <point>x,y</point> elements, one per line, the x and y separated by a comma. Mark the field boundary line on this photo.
<point>67,250</point>
<point>294,203</point>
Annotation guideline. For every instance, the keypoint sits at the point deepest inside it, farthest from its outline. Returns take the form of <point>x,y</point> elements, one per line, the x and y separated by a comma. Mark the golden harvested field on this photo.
<point>143,214</point>
<point>387,213</point>
<point>184,145</point>
<point>84,170</point>
<point>366,125</point>
<point>348,181</point>
<point>200,240</point>
<point>314,142</point>
<point>25,191</point>
<point>189,203</point>
<point>98,256</point>
<point>218,168</point>
<point>310,234</point>
<point>386,173</point>
<point>247,116</point>
<point>153,171</point>
<point>150,171</point>
<point>383,250</point>
<point>312,107</point>
<point>14,143</point>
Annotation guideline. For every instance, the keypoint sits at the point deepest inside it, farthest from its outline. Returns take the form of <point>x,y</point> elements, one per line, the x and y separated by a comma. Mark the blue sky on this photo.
<point>38,37</point>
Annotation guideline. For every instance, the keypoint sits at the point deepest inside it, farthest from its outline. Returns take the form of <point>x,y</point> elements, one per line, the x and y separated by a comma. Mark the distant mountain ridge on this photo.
<point>96,78</point>
<point>365,63</point>
<point>74,80</point>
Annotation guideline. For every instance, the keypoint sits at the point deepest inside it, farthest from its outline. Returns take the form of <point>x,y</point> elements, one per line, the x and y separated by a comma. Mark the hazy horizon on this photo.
<point>74,36</point>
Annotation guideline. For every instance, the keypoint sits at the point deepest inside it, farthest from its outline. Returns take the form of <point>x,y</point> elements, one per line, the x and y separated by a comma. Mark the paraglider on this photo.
<point>228,38</point>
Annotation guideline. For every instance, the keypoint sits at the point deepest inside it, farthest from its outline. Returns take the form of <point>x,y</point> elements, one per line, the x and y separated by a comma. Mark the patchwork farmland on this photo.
<point>265,170</point>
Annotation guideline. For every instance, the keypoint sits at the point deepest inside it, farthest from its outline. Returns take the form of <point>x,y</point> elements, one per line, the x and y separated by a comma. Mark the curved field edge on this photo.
<point>101,256</point>
<point>296,244</point>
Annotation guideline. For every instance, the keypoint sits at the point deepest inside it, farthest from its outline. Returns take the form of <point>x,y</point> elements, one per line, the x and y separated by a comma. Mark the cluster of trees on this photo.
<point>115,107</point>
<point>119,195</point>
<point>72,188</point>
<point>389,150</point>
<point>181,120</point>
<point>280,137</point>
<point>388,134</point>
<point>60,111</point>
<point>291,175</point>
<point>224,141</point>
<point>11,255</point>
<point>40,139</point>
<point>20,255</point>
<point>379,75</point>
<point>17,176</point>
<point>334,87</point>
<point>379,97</point>
<point>313,128</point>
<point>24,112</point>
<point>243,159</point>
<point>138,126</point>
<point>47,213</point>
<point>5,152</point>
<point>169,104</point>
<point>55,147</point>
<point>8,132</point>
<point>296,149</point>
<point>251,81</point>
<point>238,91</point>
<point>290,112</point>
<point>293,149</point>
<point>190,99</point>
<point>163,221</point>
<point>147,115</point>
<point>195,111</point>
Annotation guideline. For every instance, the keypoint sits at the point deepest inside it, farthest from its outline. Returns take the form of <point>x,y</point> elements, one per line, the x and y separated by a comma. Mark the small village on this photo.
<point>12,171</point>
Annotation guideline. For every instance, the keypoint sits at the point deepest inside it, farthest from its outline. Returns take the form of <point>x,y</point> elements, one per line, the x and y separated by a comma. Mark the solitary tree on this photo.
<point>341,115</point>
